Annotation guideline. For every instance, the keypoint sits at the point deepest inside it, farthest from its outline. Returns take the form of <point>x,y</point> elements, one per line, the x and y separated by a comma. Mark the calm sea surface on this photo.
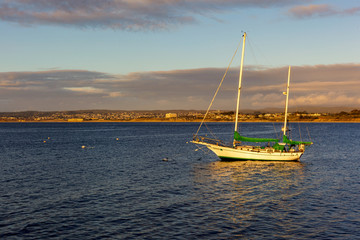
<point>52,188</point>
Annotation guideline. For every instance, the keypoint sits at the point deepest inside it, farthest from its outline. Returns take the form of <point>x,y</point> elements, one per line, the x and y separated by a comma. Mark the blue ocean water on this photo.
<point>118,185</point>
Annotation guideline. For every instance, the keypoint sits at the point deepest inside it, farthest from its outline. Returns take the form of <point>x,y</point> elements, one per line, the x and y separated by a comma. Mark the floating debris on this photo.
<point>88,147</point>
<point>117,139</point>
<point>165,159</point>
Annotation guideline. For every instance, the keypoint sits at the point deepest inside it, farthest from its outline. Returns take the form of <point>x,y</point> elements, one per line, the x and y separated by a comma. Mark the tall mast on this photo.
<point>240,78</point>
<point>287,100</point>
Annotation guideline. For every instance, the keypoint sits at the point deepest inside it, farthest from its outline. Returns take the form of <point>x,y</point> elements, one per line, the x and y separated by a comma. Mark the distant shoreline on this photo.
<point>181,121</point>
<point>179,116</point>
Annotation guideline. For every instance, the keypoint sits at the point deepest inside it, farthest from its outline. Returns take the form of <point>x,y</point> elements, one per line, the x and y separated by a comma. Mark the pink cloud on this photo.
<point>121,14</point>
<point>86,90</point>
<point>320,10</point>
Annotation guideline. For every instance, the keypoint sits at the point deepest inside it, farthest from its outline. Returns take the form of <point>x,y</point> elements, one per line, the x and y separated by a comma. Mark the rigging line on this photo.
<point>275,130</point>
<point>297,110</point>
<point>253,52</point>
<point>212,134</point>
<point>262,55</point>
<point>289,127</point>
<point>309,134</point>
<point>202,149</point>
<point>217,90</point>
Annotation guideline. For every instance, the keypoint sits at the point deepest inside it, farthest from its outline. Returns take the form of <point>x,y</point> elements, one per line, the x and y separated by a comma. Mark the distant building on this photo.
<point>75,120</point>
<point>171,115</point>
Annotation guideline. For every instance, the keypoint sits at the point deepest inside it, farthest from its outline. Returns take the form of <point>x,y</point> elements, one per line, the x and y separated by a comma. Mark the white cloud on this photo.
<point>327,99</point>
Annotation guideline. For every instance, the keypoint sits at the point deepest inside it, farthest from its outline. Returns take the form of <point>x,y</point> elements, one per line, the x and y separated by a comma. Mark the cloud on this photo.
<point>85,90</point>
<point>320,85</point>
<point>53,89</point>
<point>121,14</point>
<point>320,10</point>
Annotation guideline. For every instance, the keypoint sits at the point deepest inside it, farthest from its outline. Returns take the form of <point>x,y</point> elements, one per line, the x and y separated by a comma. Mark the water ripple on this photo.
<point>123,190</point>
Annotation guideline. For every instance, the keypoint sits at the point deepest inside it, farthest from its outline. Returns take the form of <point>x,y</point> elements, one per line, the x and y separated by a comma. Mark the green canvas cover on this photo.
<point>278,147</point>
<point>287,140</point>
<point>238,137</point>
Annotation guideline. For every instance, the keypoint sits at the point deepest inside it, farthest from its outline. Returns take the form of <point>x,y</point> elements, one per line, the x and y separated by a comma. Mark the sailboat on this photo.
<point>241,149</point>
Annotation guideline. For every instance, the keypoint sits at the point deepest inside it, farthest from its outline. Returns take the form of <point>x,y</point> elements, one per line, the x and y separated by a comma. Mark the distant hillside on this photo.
<point>308,109</point>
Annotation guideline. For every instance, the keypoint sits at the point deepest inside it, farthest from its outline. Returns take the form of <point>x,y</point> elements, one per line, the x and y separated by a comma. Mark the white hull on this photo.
<point>229,153</point>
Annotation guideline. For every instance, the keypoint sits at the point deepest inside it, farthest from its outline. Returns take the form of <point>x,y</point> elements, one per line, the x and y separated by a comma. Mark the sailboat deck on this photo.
<point>257,149</point>
<point>266,149</point>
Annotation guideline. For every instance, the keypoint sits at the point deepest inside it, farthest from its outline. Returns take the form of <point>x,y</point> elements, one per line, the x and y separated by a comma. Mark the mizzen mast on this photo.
<point>287,100</point>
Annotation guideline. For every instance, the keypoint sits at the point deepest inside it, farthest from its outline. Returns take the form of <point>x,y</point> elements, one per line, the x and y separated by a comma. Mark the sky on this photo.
<point>172,54</point>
